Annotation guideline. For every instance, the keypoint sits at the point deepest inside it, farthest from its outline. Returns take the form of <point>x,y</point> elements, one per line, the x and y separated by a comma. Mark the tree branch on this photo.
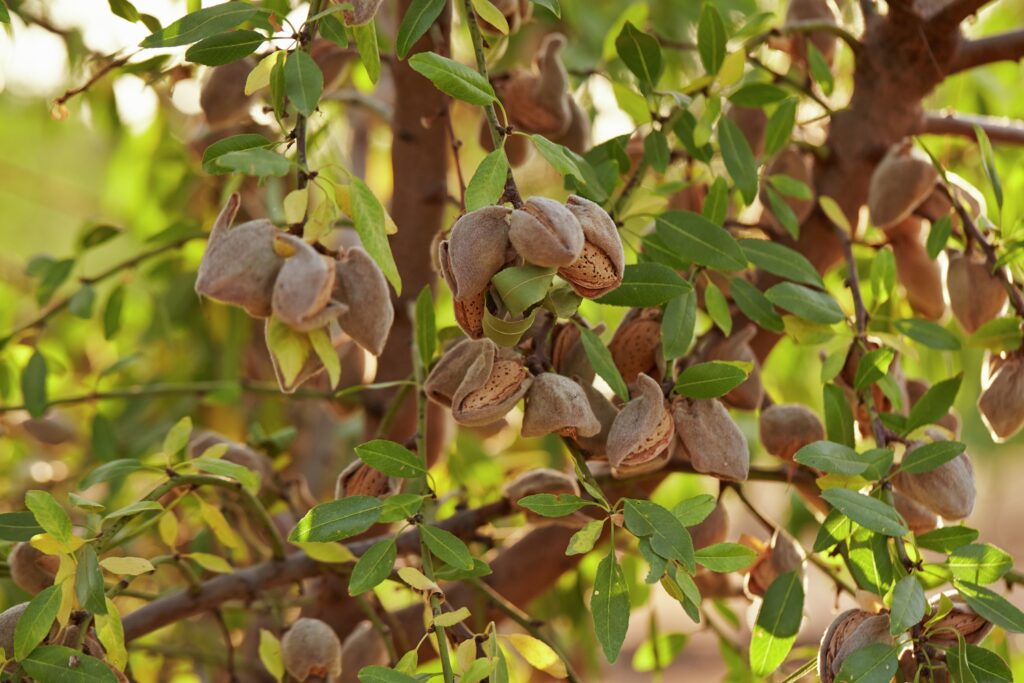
<point>246,584</point>
<point>998,129</point>
<point>1001,47</point>
<point>956,11</point>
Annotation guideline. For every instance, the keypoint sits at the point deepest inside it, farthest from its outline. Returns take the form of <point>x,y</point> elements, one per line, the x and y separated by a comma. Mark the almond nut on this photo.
<point>643,429</point>
<point>1001,403</point>
<point>918,273</point>
<point>558,404</point>
<point>223,99</point>
<point>492,386</point>
<point>919,519</point>
<point>545,233</point>
<point>302,291</point>
<point>975,294</point>
<point>359,479</point>
<point>786,428</point>
<point>850,631</point>
<point>712,529</point>
<point>961,620</point>
<point>448,373</point>
<point>476,249</point>
<point>31,569</point>
<point>900,183</point>
<point>636,345</point>
<point>601,265</point>
<point>311,648</point>
<point>709,439</point>
<point>948,490</point>
<point>361,288</point>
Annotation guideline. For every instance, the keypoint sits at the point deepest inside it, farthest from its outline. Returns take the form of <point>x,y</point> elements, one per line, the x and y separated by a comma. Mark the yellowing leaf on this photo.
<point>211,563</point>
<point>220,526</point>
<point>415,578</point>
<point>259,77</point>
<point>168,528</point>
<point>491,14</point>
<point>45,543</point>
<point>327,552</point>
<point>290,350</point>
<point>295,203</point>
<point>65,578</point>
<point>834,213</point>
<point>343,196</point>
<point>451,618</point>
<point>127,566</point>
<point>327,354</point>
<point>110,631</point>
<point>731,70</point>
<point>216,451</point>
<point>538,653</point>
<point>465,654</point>
<point>270,654</point>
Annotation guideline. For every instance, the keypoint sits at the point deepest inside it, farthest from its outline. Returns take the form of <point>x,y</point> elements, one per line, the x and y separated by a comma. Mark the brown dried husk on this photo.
<point>303,289</point>
<point>538,101</point>
<point>786,428</point>
<point>643,429</point>
<point>900,183</point>
<point>362,12</point>
<point>1001,403</point>
<point>919,519</point>
<point>240,265</point>
<point>948,490</point>
<point>713,529</point>
<point>636,346</point>
<point>447,375</point>
<point>491,388</point>
<point>782,555</point>
<point>545,233</point>
<point>601,265</point>
<point>476,249</point>
<point>596,446</point>
<point>577,136</point>
<point>558,404</point>
<point>360,286</point>
<point>222,98</point>
<point>363,647</point>
<point>311,648</point>
<point>568,356</point>
<point>31,570</point>
<point>976,296</point>
<point>962,619</point>
<point>919,274</point>
<point>709,439</point>
<point>915,389</point>
<point>359,479</point>
<point>849,632</point>
<point>541,480</point>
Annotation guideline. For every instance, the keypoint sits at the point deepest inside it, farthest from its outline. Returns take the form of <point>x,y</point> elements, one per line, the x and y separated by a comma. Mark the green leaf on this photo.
<point>551,6</point>
<point>999,334</point>
<point>829,456</point>
<point>49,514</point>
<point>716,203</point>
<point>446,546</point>
<point>938,236</point>
<point>985,665</point>
<point>804,302</point>
<point>656,150</point>
<point>933,404</point>
<point>947,539</point>
<point>81,302</point>
<point>89,581</point>
<point>646,284</point>
<point>819,68</point>
<point>693,511</point>
<point>738,157</point>
<point>108,471</point>
<point>60,664</point>
<point>18,526</point>
<point>717,307</point>
<point>35,622</point>
<point>609,606</point>
<point>201,24</point>
<point>711,379</point>
<point>33,385</point>
<point>677,325</point>
<point>726,557</point>
<point>930,334</point>
<point>52,274</point>
<point>249,479</point>
<point>641,54</point>
<point>303,82</point>
<point>112,312</point>
<point>988,162</point>
<point>755,305</point>
<point>369,218</point>
<point>373,567</point>
<point>233,143</point>
<point>870,664</point>
<point>979,563</point>
<point>869,561</point>
<point>382,674</point>
<point>783,213</point>
<point>400,506</point>
<point>96,235</point>
<point>177,437</point>
<point>5,16</point>
<point>668,537</point>
<point>927,457</point>
<point>415,23</point>
<point>991,606</point>
<point>778,622</point>
<point>488,182</point>
<point>780,260</point>
<point>872,367</point>
<point>908,605</point>
<point>834,212</point>
<point>333,30</point>
<point>391,458</point>
<point>453,78</point>
<point>583,541</point>
<point>426,326</point>
<point>700,240</point>
<point>757,95</point>
<point>869,512</point>
<point>505,332</point>
<point>552,505</point>
<point>338,519</point>
<point>255,161</point>
<point>224,48</point>
<point>780,127</point>
<point>837,527</point>
<point>838,416</point>
<point>368,49</point>
<point>522,286</point>
<point>657,651</point>
<point>601,358</point>
<point>711,38</point>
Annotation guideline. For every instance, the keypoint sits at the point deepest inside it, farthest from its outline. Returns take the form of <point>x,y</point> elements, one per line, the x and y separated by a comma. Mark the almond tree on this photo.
<point>484,424</point>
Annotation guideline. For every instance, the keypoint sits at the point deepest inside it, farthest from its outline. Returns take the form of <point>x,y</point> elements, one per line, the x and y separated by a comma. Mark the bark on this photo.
<point>1001,47</point>
<point>954,123</point>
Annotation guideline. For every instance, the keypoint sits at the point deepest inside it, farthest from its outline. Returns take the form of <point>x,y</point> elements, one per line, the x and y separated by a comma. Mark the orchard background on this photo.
<point>177,475</point>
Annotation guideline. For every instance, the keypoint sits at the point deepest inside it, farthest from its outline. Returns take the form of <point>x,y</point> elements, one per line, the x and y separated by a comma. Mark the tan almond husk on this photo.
<point>636,346</point>
<point>240,265</point>
<point>900,183</point>
<point>601,265</point>
<point>788,427</point>
<point>919,519</point>
<point>541,480</point>
<point>713,529</point>
<point>545,233</point>
<point>567,354</point>
<point>1001,402</point>
<point>363,647</point>
<point>303,289</point>
<point>920,275</point>
<point>538,101</point>
<point>359,479</point>
<point>8,622</point>
<point>750,394</point>
<point>557,404</point>
<point>709,439</point>
<point>360,286</point>
<point>782,555</point>
<point>222,98</point>
<point>643,429</point>
<point>311,648</point>
<point>448,373</point>
<point>849,632</point>
<point>976,296</point>
<point>962,619</point>
<point>948,490</point>
<point>362,12</point>
<point>577,136</point>
<point>631,469</point>
<point>31,570</point>
<point>476,249</point>
<point>491,388</point>
<point>596,446</point>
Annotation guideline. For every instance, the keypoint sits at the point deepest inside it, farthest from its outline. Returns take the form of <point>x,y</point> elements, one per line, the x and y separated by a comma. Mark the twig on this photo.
<point>998,129</point>
<point>1007,46</point>
<point>306,36</point>
<point>792,82</point>
<point>106,69</point>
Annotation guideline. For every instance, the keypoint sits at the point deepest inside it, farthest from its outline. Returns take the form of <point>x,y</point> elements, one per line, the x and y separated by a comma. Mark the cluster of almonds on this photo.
<point>578,238</point>
<point>857,628</point>
<point>539,101</point>
<point>268,272</point>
